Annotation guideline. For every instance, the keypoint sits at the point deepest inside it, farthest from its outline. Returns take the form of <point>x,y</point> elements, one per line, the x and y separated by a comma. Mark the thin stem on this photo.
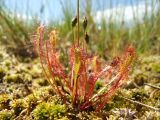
<point>78,21</point>
<point>153,86</point>
<point>142,104</point>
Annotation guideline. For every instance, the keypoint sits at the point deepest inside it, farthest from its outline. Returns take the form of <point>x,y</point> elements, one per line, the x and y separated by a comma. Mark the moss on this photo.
<point>13,78</point>
<point>18,105</point>
<point>48,111</point>
<point>140,79</point>
<point>156,67</point>
<point>55,99</point>
<point>7,63</point>
<point>109,106</point>
<point>10,89</point>
<point>27,78</point>
<point>31,102</point>
<point>103,115</point>
<point>98,85</point>
<point>4,101</point>
<point>154,94</point>
<point>139,95</point>
<point>63,118</point>
<point>151,115</point>
<point>43,93</point>
<point>113,117</point>
<point>1,56</point>
<point>152,64</point>
<point>118,101</point>
<point>2,74</point>
<point>6,115</point>
<point>42,82</point>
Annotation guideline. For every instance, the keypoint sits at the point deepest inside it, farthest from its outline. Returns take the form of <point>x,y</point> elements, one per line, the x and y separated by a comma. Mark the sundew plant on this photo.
<point>76,83</point>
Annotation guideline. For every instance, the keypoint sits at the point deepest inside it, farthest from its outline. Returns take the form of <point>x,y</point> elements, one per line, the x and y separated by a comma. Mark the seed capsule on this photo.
<point>74,21</point>
<point>85,22</point>
<point>86,38</point>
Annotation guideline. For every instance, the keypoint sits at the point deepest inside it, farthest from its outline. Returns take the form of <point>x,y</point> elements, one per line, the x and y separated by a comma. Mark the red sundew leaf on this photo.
<point>75,80</point>
<point>90,86</point>
<point>104,70</point>
<point>115,62</point>
<point>40,45</point>
<point>72,77</point>
<point>71,54</point>
<point>114,82</point>
<point>46,57</point>
<point>123,73</point>
<point>92,81</point>
<point>82,79</point>
<point>117,80</point>
<point>55,63</point>
<point>83,55</point>
<point>108,75</point>
<point>56,66</point>
<point>96,64</point>
<point>126,62</point>
<point>50,69</point>
<point>131,51</point>
<point>86,105</point>
<point>82,59</point>
<point>106,96</point>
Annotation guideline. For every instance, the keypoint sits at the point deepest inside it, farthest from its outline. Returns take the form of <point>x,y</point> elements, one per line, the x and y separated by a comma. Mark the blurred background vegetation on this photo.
<point>107,38</point>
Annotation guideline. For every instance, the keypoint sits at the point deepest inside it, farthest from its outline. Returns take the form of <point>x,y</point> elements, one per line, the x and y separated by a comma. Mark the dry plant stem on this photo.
<point>78,21</point>
<point>153,86</point>
<point>139,103</point>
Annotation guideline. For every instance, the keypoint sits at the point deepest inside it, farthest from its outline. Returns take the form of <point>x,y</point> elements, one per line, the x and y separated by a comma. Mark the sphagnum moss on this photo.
<point>13,78</point>
<point>18,105</point>
<point>49,111</point>
<point>2,74</point>
<point>6,115</point>
<point>4,101</point>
